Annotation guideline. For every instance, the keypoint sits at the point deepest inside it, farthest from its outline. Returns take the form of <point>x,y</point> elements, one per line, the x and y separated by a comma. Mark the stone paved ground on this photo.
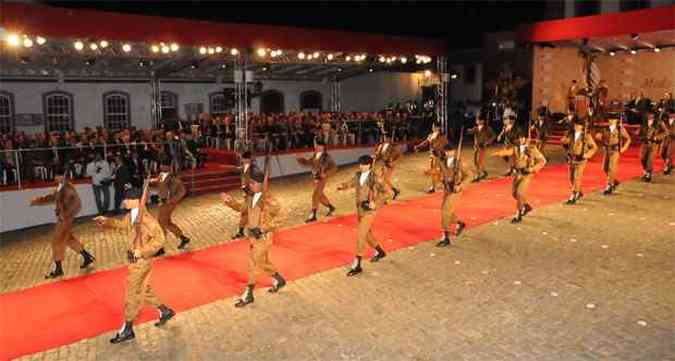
<point>592,283</point>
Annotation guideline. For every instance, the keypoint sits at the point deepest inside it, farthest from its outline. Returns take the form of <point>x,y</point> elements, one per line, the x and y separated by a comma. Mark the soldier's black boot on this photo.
<point>518,217</point>
<point>87,259</point>
<point>126,334</point>
<point>246,298</point>
<point>278,283</point>
<point>312,217</point>
<point>239,234</point>
<point>431,190</point>
<point>484,175</point>
<point>527,208</point>
<point>356,267</point>
<point>460,228</point>
<point>668,169</point>
<point>608,190</point>
<point>379,254</point>
<point>331,210</point>
<point>396,193</point>
<point>572,200</point>
<point>445,241</point>
<point>160,252</point>
<point>183,242</point>
<point>165,314</point>
<point>56,272</point>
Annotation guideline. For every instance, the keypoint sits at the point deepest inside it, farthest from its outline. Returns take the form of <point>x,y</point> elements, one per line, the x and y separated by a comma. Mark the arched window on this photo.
<point>58,111</point>
<point>116,113</point>
<point>271,101</point>
<point>169,104</point>
<point>311,100</point>
<point>6,112</point>
<point>219,104</point>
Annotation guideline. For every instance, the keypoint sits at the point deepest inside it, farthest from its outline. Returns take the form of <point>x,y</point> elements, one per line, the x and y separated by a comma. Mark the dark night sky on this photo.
<point>461,23</point>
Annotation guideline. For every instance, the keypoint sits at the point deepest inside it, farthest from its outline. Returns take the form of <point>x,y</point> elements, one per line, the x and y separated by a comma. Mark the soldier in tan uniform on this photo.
<point>652,134</point>
<point>171,192</point>
<point>668,144</point>
<point>435,141</point>
<point>539,133</point>
<point>580,148</point>
<point>455,176</point>
<point>67,207</point>
<point>483,137</point>
<point>614,141</point>
<point>264,217</point>
<point>370,193</point>
<point>146,238</point>
<point>323,167</point>
<point>527,160</point>
<point>245,174</point>
<point>385,159</point>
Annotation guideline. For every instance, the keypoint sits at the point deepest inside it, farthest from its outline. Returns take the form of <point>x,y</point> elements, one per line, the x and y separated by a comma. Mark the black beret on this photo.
<point>365,160</point>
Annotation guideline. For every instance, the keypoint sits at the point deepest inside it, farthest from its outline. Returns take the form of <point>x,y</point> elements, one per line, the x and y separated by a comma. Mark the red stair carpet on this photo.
<point>60,313</point>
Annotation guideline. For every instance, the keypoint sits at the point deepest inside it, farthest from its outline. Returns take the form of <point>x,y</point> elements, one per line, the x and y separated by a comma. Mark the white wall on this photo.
<point>88,98</point>
<point>374,91</point>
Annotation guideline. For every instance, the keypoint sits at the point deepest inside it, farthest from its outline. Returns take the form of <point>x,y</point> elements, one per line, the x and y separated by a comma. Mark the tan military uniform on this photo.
<point>373,191</point>
<point>436,143</point>
<point>322,168</point>
<point>509,137</point>
<point>171,191</point>
<point>526,163</point>
<point>613,143</point>
<point>148,237</point>
<point>67,207</point>
<point>454,180</point>
<point>651,138</point>
<point>579,150</point>
<point>266,214</point>
<point>245,178</point>
<point>668,144</point>
<point>482,138</point>
<point>385,159</point>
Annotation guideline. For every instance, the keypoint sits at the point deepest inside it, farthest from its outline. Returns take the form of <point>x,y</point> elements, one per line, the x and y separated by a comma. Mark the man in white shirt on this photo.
<point>100,173</point>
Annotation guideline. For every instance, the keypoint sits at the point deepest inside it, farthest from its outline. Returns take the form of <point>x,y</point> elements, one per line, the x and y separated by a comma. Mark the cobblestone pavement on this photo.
<point>593,282</point>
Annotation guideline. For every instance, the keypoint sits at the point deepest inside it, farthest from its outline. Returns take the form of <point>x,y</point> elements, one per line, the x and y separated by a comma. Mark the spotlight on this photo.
<point>154,49</point>
<point>339,70</point>
<point>656,50</point>
<point>273,53</point>
<point>381,59</point>
<point>494,104</point>
<point>279,53</point>
<point>316,54</point>
<point>454,76</point>
<point>219,49</point>
<point>202,50</point>
<point>90,61</point>
<point>404,60</point>
<point>310,57</point>
<point>142,63</point>
<point>264,68</point>
<point>103,44</point>
<point>329,56</point>
<point>348,58</point>
<point>126,48</point>
<point>211,51</point>
<point>165,49</point>
<point>223,66</point>
<point>27,43</point>
<point>234,52</point>
<point>633,51</point>
<point>78,45</point>
<point>93,46</point>
<point>612,53</point>
<point>370,70</point>
<point>194,65</point>
<point>174,47</point>
<point>301,55</point>
<point>40,40</point>
<point>635,37</point>
<point>262,52</point>
<point>427,73</point>
<point>12,40</point>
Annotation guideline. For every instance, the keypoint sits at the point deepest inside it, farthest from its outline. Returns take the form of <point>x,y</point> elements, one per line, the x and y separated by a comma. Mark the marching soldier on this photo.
<point>614,140</point>
<point>67,207</point>
<point>245,174</point>
<point>171,192</point>
<point>370,196</point>
<point>651,135</point>
<point>386,157</point>
<point>435,141</point>
<point>146,238</point>
<point>539,132</point>
<point>264,216</point>
<point>527,160</point>
<point>580,148</point>
<point>455,177</point>
<point>483,136</point>
<point>668,145</point>
<point>323,166</point>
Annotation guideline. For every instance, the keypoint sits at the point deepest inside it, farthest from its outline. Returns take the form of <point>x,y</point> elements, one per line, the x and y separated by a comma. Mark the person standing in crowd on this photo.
<point>264,216</point>
<point>527,161</point>
<point>171,192</point>
<point>455,176</point>
<point>652,133</point>
<point>121,176</point>
<point>68,205</point>
<point>146,238</point>
<point>483,136</point>
<point>385,159</point>
<point>614,140</point>
<point>99,171</point>
<point>580,148</point>
<point>323,167</point>
<point>370,194</point>
<point>668,145</point>
<point>435,141</point>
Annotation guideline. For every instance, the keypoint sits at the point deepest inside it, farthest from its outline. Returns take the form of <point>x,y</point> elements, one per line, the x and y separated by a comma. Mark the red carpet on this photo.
<point>60,313</point>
